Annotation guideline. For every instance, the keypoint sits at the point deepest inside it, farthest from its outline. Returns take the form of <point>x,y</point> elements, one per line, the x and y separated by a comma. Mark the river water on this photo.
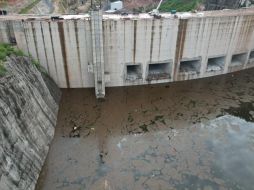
<point>191,135</point>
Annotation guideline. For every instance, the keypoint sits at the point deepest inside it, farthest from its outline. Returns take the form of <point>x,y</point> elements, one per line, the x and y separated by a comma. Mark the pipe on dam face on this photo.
<point>82,51</point>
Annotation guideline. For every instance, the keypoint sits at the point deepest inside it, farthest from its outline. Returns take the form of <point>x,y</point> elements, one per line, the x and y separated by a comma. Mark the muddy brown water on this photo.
<point>171,136</point>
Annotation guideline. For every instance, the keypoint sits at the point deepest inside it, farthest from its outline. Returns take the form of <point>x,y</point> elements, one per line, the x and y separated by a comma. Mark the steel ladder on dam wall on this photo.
<point>98,53</point>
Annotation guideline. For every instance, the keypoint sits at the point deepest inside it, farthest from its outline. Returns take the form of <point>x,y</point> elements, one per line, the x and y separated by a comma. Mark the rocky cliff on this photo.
<point>28,114</point>
<point>227,4</point>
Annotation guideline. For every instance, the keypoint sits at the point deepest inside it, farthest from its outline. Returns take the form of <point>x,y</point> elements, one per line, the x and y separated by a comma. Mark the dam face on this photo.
<point>80,51</point>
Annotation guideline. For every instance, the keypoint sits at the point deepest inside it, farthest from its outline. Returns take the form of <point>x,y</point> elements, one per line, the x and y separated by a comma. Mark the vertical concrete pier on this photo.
<point>98,54</point>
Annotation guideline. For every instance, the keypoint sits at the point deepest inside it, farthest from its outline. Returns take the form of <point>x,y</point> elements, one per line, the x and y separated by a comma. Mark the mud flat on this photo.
<point>175,136</point>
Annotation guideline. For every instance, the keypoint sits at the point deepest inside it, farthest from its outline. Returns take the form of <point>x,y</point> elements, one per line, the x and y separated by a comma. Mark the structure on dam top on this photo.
<point>80,51</point>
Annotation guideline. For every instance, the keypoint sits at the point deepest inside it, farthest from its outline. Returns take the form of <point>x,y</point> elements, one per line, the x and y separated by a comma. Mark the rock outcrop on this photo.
<point>28,114</point>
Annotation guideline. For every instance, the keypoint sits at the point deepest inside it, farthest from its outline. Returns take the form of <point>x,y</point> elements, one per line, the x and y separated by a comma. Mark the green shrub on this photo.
<point>7,50</point>
<point>2,55</point>
<point>36,63</point>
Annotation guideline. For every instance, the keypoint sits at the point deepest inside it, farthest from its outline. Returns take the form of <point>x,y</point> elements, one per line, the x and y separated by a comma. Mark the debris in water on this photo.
<point>75,132</point>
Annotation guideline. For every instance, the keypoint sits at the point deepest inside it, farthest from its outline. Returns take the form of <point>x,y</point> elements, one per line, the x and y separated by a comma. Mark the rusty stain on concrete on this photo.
<point>134,41</point>
<point>63,48</point>
<point>78,50</point>
<point>180,45</point>
<point>43,41</point>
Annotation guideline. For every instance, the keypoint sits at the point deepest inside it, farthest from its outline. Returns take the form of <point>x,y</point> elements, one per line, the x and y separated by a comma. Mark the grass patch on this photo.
<point>2,70</point>
<point>29,7</point>
<point>35,63</point>
<point>180,5</point>
<point>6,50</point>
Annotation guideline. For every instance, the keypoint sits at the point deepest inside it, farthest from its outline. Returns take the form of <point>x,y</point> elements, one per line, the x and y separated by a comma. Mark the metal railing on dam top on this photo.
<point>80,51</point>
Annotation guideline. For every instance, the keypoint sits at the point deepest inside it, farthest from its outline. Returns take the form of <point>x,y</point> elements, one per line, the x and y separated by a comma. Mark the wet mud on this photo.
<point>187,135</point>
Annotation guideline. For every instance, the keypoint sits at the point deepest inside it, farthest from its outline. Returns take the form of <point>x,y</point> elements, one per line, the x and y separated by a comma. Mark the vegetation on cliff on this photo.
<point>26,9</point>
<point>8,50</point>
<point>2,70</point>
<point>180,5</point>
<point>5,51</point>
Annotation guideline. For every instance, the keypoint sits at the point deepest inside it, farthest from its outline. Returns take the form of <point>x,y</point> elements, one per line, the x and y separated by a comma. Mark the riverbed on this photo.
<point>190,135</point>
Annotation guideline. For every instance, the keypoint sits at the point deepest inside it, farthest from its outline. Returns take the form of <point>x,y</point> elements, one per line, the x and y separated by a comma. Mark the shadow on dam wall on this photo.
<point>171,136</point>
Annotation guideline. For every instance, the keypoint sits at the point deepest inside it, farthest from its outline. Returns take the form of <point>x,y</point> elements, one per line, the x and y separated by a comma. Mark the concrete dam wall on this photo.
<point>80,51</point>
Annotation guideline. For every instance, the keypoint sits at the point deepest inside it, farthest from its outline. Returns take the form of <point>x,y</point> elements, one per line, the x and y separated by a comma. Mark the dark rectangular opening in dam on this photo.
<point>252,54</point>
<point>134,72</point>
<point>190,66</point>
<point>251,58</point>
<point>215,64</point>
<point>238,59</point>
<point>158,71</point>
